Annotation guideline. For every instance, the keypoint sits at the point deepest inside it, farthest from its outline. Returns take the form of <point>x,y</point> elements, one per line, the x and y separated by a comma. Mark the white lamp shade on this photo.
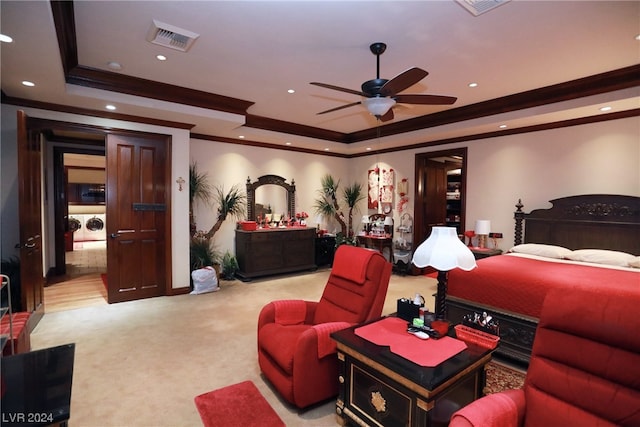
<point>444,251</point>
<point>388,220</point>
<point>378,106</point>
<point>365,219</point>
<point>483,226</point>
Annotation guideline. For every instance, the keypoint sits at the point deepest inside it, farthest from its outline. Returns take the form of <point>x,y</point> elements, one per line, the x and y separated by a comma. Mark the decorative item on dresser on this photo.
<point>512,286</point>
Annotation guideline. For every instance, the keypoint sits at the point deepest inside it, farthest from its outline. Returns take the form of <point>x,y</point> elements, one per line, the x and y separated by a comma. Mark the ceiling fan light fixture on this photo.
<point>378,106</point>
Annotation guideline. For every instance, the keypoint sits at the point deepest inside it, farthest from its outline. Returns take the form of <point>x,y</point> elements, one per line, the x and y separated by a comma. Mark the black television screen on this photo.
<point>36,386</point>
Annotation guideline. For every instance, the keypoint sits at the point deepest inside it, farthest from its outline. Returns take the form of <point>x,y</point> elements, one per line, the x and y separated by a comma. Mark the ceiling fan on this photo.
<point>380,95</point>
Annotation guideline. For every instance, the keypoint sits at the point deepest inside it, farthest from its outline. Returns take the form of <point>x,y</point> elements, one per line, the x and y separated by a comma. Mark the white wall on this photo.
<point>536,167</point>
<point>231,164</point>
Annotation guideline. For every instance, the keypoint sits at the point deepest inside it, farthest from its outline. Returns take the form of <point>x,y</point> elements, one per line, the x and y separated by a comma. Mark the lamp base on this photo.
<point>441,295</point>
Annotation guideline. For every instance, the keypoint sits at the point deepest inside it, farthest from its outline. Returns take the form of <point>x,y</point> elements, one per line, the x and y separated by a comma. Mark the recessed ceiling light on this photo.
<point>607,108</point>
<point>241,136</point>
<point>368,148</point>
<point>6,39</point>
<point>110,107</point>
<point>473,84</point>
<point>114,65</point>
<point>638,37</point>
<point>28,83</point>
<point>287,143</point>
<point>502,126</point>
<point>291,91</point>
<point>326,149</point>
<point>161,57</point>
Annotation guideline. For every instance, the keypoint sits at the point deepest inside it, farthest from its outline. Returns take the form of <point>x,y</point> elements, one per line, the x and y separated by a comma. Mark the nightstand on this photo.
<point>380,388</point>
<point>485,253</point>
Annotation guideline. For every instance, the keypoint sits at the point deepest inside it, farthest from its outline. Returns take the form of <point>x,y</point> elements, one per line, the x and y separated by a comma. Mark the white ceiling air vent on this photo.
<point>478,7</point>
<point>170,36</point>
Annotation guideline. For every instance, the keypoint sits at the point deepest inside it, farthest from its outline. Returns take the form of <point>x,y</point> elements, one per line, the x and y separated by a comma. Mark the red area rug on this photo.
<point>239,405</point>
<point>104,280</point>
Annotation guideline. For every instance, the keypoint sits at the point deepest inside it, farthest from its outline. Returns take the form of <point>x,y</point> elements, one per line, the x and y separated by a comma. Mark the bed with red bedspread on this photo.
<point>511,287</point>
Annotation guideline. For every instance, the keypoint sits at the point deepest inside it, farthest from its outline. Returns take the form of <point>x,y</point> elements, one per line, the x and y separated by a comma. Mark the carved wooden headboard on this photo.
<point>602,221</point>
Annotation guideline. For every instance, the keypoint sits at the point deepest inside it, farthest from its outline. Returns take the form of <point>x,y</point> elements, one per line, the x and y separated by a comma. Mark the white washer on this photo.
<point>95,227</point>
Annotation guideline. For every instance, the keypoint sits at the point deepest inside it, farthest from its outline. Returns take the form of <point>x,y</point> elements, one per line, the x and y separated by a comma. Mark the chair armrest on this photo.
<point>326,345</point>
<point>504,409</point>
<point>268,312</point>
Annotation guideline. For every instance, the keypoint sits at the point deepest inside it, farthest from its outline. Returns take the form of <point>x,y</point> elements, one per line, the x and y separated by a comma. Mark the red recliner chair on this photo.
<point>295,351</point>
<point>584,369</point>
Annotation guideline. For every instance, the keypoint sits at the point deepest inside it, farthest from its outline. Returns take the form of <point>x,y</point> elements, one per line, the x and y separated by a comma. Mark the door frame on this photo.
<point>420,230</point>
<point>82,132</point>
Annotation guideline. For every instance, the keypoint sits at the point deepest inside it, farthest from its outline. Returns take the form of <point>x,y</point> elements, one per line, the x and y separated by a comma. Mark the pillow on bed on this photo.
<point>602,256</point>
<point>547,251</point>
<point>635,263</point>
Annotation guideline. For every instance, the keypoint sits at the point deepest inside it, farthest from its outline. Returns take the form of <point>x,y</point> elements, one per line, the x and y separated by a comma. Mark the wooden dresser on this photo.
<point>275,251</point>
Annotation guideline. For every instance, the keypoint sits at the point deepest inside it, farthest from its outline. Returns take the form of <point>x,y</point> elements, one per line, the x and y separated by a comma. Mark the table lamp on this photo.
<point>388,225</point>
<point>365,223</point>
<point>443,251</point>
<point>483,228</point>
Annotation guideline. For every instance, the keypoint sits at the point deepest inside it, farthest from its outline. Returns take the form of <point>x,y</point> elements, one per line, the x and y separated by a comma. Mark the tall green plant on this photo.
<point>229,266</point>
<point>233,203</point>
<point>352,195</point>
<point>199,190</point>
<point>329,205</point>
<point>202,254</point>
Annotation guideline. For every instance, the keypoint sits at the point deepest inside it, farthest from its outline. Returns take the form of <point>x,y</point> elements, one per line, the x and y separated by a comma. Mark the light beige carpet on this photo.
<point>141,363</point>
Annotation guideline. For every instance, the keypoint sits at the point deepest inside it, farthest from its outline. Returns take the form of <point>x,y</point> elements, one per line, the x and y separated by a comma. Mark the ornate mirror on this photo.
<point>270,192</point>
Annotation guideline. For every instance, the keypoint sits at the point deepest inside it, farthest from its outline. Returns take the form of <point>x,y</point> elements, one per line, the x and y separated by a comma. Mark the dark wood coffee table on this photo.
<point>380,388</point>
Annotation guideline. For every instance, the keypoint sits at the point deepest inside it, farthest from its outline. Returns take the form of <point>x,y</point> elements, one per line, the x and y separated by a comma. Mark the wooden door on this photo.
<point>431,207</point>
<point>138,227</point>
<point>30,212</point>
<point>431,191</point>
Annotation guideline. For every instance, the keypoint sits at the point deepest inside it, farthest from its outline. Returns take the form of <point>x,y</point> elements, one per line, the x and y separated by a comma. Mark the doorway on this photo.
<point>441,184</point>
<point>79,175</point>
<point>86,139</point>
<point>83,212</point>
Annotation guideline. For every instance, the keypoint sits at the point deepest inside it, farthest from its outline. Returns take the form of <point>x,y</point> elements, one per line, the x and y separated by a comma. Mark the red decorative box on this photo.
<point>474,336</point>
<point>248,225</point>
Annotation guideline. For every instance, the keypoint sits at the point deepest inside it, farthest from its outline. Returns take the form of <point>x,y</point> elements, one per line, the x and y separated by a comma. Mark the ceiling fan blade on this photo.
<point>425,99</point>
<point>387,116</point>
<point>402,81</point>
<point>340,107</point>
<point>338,88</point>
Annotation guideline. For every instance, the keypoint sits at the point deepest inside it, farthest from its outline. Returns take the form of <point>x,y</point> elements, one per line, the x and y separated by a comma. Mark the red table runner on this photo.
<point>392,332</point>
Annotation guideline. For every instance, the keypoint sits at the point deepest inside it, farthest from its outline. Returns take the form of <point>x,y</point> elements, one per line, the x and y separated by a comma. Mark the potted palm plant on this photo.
<point>328,205</point>
<point>199,190</point>
<point>233,204</point>
<point>229,266</point>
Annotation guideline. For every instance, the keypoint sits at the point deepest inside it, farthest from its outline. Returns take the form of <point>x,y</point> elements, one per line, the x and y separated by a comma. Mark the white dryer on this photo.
<point>76,225</point>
